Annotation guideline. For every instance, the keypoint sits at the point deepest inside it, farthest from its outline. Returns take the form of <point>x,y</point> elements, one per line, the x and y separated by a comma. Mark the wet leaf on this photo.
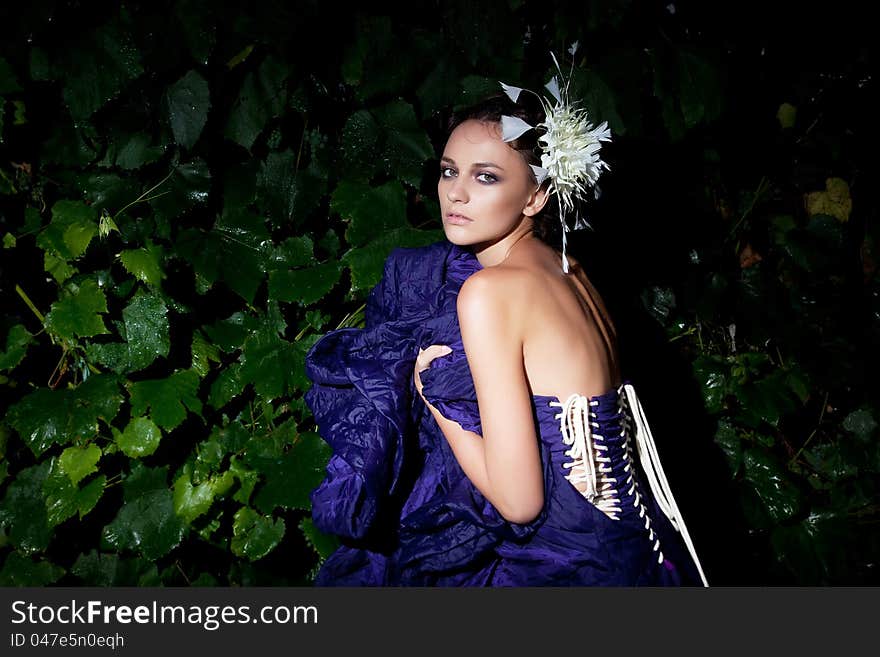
<point>72,228</point>
<point>168,399</point>
<point>79,462</point>
<point>106,60</point>
<point>203,353</point>
<point>659,302</point>
<point>137,151</point>
<point>191,501</point>
<point>46,416</point>
<point>254,536</point>
<point>263,96</point>
<point>77,312</point>
<point>187,102</point>
<point>23,510</point>
<point>144,263</point>
<point>187,188</point>
<point>305,286</point>
<point>780,497</point>
<point>367,262</point>
<point>369,211</point>
<point>146,524</point>
<point>270,363</point>
<point>237,250</point>
<point>711,374</point>
<point>140,438</point>
<point>290,478</point>
<point>727,438</point>
<point>22,570</point>
<point>226,386</point>
<point>64,499</point>
<point>146,337</point>
<point>294,252</point>
<point>289,194</point>
<point>405,145</point>
<point>17,342</point>
<point>860,422</point>
<point>323,544</point>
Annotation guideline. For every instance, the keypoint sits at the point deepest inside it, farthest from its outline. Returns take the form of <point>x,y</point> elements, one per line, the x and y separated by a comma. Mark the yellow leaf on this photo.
<point>834,201</point>
<point>786,115</point>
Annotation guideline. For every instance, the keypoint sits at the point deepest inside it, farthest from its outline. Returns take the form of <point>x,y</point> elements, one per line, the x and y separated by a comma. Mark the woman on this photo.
<point>481,431</point>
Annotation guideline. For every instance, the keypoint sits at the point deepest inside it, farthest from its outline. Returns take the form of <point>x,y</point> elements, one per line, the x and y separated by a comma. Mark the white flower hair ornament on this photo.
<point>570,148</point>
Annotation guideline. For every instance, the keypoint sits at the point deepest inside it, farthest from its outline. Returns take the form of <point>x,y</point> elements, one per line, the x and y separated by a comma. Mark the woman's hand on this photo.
<point>423,361</point>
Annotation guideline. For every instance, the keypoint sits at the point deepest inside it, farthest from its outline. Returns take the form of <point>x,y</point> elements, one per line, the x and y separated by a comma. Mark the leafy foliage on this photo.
<point>194,212</point>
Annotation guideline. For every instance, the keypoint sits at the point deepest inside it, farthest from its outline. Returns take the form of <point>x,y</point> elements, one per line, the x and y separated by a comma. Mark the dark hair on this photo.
<point>529,109</point>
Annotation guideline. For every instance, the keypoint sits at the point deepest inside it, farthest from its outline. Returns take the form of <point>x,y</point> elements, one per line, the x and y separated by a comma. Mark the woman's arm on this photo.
<point>505,465</point>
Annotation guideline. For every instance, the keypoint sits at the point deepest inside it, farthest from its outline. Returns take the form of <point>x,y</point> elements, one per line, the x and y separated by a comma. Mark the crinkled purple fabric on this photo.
<point>394,493</point>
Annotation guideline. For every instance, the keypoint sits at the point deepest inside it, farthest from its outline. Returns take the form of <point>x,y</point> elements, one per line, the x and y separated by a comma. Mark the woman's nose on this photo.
<point>455,191</point>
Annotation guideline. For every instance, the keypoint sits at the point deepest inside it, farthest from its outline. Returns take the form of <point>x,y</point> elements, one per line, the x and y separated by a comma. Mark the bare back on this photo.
<point>569,340</point>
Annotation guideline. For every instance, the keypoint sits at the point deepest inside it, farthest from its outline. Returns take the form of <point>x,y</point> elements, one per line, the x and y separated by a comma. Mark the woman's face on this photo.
<point>485,186</point>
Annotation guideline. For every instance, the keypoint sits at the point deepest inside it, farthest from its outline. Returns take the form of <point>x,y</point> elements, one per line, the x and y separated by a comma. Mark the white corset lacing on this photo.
<point>591,466</point>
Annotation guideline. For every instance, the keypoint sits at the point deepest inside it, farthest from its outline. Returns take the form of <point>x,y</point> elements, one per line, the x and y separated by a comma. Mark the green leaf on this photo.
<point>8,239</point>
<point>779,496</point>
<point>187,102</point>
<point>64,499</point>
<point>229,334</point>
<point>46,416</point>
<point>254,536</point>
<point>144,263</point>
<point>23,510</point>
<point>237,250</point>
<point>203,353</point>
<point>140,438</point>
<point>136,151</point>
<point>226,386</point>
<point>323,544</point>
<point>367,262</point>
<point>700,91</point>
<point>861,423</point>
<point>76,314</point>
<point>727,438</point>
<point>711,374</point>
<point>290,478</point>
<point>22,570</point>
<point>270,363</point>
<point>359,144</point>
<point>106,60</point>
<point>263,96</point>
<point>146,524</point>
<point>143,479</point>
<point>369,211</point>
<point>305,286</point>
<point>188,187</point>
<point>72,228</point>
<point>294,252</point>
<point>405,146</point>
<point>17,342</point>
<point>659,302</point>
<point>79,462</point>
<point>168,399</point>
<point>287,193</point>
<point>8,82</point>
<point>247,480</point>
<point>109,569</point>
<point>146,337</point>
<point>57,267</point>
<point>191,501</point>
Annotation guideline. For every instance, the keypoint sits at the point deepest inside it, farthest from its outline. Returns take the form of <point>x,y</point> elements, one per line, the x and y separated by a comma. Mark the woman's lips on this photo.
<point>457,219</point>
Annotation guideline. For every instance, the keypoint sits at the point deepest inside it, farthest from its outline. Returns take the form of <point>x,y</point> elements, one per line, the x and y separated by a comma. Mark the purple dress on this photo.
<point>396,496</point>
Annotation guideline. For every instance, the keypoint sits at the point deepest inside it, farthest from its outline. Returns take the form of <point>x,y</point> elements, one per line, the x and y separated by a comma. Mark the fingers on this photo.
<point>430,353</point>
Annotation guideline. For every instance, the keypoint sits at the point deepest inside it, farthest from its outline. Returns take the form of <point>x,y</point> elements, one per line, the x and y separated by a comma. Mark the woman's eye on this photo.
<point>443,171</point>
<point>489,176</point>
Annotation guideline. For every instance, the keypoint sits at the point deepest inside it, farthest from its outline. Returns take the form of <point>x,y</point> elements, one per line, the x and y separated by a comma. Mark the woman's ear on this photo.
<point>537,200</point>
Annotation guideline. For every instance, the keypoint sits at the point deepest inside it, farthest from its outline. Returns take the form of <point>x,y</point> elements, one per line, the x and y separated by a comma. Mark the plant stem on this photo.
<point>143,196</point>
<point>30,304</point>
<point>813,433</point>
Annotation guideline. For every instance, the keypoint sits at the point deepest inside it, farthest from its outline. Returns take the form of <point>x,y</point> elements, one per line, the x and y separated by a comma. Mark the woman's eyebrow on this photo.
<point>476,165</point>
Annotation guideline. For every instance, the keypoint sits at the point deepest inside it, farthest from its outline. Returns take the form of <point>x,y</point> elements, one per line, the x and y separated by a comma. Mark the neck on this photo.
<point>494,253</point>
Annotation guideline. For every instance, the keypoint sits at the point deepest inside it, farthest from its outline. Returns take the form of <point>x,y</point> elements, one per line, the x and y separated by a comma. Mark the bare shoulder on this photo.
<point>497,298</point>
